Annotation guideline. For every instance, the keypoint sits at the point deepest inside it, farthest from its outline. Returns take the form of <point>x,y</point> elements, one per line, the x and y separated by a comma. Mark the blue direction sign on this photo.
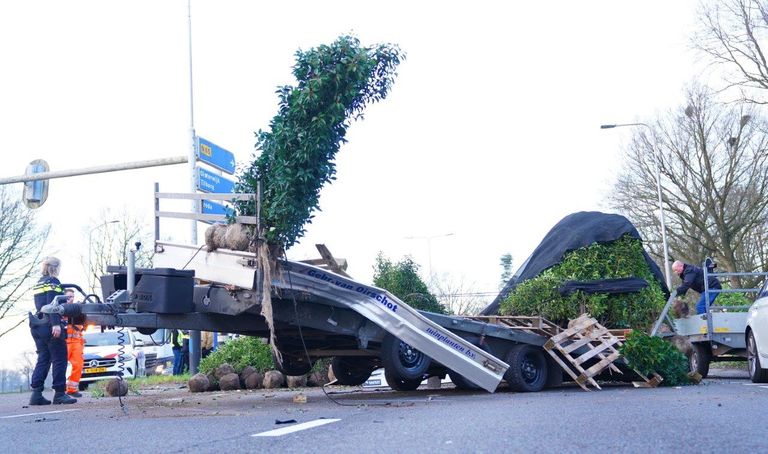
<point>208,181</point>
<point>210,207</point>
<point>215,156</point>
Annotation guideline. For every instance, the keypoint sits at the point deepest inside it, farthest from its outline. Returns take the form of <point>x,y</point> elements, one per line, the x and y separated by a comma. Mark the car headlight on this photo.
<point>127,357</point>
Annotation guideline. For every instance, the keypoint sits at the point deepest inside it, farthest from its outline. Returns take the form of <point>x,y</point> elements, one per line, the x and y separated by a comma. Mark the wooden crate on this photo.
<point>537,325</point>
<point>601,344</point>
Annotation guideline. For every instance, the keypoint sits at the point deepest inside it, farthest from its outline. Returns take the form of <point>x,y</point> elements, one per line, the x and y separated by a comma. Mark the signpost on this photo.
<point>210,207</point>
<point>215,156</point>
<point>208,181</point>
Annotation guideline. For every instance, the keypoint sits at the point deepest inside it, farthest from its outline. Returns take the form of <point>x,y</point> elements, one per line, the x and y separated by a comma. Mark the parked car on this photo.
<point>757,337</point>
<point>102,358</point>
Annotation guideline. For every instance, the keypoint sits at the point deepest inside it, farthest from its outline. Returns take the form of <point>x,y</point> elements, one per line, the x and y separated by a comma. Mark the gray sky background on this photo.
<point>491,131</point>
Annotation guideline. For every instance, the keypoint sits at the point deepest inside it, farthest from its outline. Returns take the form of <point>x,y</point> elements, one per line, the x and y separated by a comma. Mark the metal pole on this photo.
<point>667,271</point>
<point>665,247</point>
<point>131,278</point>
<point>97,169</point>
<point>194,336</point>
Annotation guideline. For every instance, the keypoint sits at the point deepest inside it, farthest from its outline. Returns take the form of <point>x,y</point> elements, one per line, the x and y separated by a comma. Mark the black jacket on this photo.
<point>46,289</point>
<point>693,278</point>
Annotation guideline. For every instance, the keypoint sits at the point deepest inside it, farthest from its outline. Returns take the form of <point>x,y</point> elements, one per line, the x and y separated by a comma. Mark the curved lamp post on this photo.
<point>657,152</point>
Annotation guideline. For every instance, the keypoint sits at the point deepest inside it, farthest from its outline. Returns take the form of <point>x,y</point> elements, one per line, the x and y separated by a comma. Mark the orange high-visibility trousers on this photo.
<point>75,357</point>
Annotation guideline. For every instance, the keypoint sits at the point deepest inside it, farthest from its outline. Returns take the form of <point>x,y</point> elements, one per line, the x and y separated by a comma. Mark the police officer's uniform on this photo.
<point>50,350</point>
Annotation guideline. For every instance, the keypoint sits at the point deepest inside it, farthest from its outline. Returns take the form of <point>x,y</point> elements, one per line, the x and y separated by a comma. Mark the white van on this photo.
<point>158,351</point>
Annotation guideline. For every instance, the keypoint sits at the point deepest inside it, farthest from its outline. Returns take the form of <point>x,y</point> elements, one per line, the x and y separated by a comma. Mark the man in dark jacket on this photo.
<point>49,332</point>
<point>693,278</point>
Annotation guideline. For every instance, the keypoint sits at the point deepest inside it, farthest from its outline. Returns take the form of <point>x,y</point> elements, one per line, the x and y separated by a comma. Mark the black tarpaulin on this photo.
<point>574,231</point>
<point>610,286</point>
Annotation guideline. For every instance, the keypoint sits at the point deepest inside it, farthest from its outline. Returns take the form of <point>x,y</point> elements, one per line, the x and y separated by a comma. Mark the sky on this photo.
<point>488,138</point>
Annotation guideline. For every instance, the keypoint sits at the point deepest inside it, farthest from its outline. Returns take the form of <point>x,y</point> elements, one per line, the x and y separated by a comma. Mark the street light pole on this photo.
<point>429,239</point>
<point>90,249</point>
<point>657,153</point>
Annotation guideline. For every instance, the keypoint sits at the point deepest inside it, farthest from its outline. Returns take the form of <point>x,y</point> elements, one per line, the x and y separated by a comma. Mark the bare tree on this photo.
<point>732,34</point>
<point>714,174</point>
<point>458,296</point>
<point>21,244</point>
<point>111,236</point>
<point>506,269</point>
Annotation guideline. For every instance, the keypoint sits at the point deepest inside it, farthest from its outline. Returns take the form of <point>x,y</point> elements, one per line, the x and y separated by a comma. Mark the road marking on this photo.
<point>35,414</point>
<point>295,428</point>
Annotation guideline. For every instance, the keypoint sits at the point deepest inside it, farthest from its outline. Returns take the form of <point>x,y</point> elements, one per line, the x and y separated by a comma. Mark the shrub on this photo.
<point>622,258</point>
<point>402,280</point>
<point>238,353</point>
<point>650,354</point>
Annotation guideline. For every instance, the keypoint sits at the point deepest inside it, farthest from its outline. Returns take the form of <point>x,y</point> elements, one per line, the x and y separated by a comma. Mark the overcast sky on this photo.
<point>490,133</point>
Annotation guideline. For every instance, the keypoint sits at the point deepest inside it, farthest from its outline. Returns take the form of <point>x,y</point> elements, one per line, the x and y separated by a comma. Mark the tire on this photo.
<point>352,371</point>
<point>401,384</point>
<point>402,361</point>
<point>293,364</point>
<point>756,372</point>
<point>701,356</point>
<point>528,368</point>
<point>146,331</point>
<point>82,386</point>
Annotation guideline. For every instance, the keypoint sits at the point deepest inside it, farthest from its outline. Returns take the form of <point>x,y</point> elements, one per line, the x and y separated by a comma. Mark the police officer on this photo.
<point>48,331</point>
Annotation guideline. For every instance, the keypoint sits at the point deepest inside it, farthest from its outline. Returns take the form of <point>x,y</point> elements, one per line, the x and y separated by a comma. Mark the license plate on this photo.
<point>94,370</point>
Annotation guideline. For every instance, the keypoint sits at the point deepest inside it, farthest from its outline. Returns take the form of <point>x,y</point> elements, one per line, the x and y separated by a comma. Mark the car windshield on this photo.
<point>156,338</point>
<point>98,339</point>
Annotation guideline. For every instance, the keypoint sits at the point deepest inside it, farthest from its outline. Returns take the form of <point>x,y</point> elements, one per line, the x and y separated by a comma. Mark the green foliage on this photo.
<point>732,299</point>
<point>238,353</point>
<point>619,259</point>
<point>402,280</point>
<point>335,83</point>
<point>650,354</point>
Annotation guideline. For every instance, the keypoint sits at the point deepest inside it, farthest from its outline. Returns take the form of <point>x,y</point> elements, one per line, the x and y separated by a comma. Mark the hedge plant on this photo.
<point>238,353</point>
<point>334,85</point>
<point>650,354</point>
<point>618,259</point>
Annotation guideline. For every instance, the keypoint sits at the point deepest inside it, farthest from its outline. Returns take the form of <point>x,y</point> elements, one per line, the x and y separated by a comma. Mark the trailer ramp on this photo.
<point>377,305</point>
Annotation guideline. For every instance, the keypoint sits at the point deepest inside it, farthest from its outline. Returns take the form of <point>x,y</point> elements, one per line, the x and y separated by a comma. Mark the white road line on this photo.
<point>763,386</point>
<point>35,414</point>
<point>295,428</point>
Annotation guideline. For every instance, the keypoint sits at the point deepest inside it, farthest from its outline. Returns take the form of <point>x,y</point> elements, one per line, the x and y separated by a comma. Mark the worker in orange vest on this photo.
<point>75,344</point>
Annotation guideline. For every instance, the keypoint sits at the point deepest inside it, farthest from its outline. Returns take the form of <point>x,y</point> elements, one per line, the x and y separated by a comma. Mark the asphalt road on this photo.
<point>724,414</point>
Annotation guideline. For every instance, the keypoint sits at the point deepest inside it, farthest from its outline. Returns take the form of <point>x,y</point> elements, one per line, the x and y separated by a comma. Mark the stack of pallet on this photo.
<point>602,346</point>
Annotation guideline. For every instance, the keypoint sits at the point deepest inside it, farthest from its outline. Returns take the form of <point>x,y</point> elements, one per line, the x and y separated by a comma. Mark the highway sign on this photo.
<point>208,181</point>
<point>210,207</point>
<point>215,156</point>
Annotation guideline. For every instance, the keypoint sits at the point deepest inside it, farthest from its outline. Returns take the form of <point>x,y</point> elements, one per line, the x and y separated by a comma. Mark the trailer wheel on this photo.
<point>402,361</point>
<point>401,384</point>
<point>701,355</point>
<point>527,368</point>
<point>293,364</point>
<point>146,331</point>
<point>352,371</point>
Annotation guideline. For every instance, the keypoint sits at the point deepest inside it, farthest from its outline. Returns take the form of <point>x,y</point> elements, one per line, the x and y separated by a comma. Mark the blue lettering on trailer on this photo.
<point>451,343</point>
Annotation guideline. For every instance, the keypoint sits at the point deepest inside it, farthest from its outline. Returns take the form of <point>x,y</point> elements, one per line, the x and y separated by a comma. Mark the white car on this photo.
<point>757,337</point>
<point>101,355</point>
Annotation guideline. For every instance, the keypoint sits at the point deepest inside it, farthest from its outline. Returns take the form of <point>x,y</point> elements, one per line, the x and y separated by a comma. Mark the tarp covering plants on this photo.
<point>574,234</point>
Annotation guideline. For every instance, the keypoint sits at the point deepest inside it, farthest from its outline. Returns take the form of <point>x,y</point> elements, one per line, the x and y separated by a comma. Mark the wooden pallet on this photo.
<point>537,325</point>
<point>602,345</point>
